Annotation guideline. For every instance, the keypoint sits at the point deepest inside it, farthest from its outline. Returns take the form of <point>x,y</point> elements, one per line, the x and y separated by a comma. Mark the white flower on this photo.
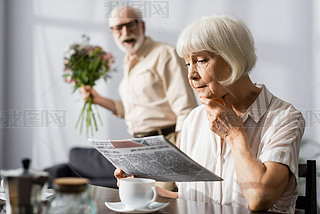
<point>70,53</point>
<point>82,46</point>
<point>68,49</point>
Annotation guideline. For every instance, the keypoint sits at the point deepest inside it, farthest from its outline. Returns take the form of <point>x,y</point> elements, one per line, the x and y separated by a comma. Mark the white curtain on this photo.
<point>2,30</point>
<point>286,33</point>
<point>315,35</point>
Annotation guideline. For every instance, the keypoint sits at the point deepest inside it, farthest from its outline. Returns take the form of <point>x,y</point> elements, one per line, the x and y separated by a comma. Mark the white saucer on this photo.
<point>120,207</point>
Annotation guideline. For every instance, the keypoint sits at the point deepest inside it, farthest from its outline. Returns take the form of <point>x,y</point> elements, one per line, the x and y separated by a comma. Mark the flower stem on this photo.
<point>82,117</point>
<point>81,114</point>
<point>88,118</point>
<point>94,120</point>
<point>99,117</point>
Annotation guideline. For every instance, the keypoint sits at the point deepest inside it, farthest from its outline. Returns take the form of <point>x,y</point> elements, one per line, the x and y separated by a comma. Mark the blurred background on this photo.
<point>39,110</point>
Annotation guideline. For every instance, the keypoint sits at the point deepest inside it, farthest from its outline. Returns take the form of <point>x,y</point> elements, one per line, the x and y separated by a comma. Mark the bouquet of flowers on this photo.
<point>84,65</point>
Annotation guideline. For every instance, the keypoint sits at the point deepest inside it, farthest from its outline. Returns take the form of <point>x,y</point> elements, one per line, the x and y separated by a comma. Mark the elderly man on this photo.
<point>155,94</point>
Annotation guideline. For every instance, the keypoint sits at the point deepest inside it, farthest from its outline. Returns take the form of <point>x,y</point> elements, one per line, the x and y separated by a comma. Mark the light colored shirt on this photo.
<point>154,91</point>
<point>274,130</point>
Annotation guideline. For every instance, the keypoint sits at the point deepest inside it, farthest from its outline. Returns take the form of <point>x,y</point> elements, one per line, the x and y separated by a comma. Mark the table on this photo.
<point>176,206</point>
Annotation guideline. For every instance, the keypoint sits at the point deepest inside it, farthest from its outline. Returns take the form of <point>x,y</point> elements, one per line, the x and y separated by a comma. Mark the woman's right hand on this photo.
<point>86,91</point>
<point>118,173</point>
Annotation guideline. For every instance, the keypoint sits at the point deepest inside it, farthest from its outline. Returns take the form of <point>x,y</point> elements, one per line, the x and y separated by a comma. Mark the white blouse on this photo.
<point>274,130</point>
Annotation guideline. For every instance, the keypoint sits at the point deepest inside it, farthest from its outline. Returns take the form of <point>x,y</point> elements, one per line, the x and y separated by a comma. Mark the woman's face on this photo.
<point>205,70</point>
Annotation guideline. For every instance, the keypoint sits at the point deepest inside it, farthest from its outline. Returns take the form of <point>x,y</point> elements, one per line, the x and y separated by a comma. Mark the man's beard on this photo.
<point>138,43</point>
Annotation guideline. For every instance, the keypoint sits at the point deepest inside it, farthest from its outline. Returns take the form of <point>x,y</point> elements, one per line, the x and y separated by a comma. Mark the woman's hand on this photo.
<point>118,173</point>
<point>166,193</point>
<point>86,91</point>
<point>222,118</point>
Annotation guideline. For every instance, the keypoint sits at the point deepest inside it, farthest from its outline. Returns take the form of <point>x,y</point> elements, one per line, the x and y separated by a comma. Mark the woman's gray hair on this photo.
<point>226,36</point>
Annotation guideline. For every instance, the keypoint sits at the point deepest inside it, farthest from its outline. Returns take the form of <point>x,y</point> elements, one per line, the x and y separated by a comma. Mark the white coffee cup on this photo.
<point>137,192</point>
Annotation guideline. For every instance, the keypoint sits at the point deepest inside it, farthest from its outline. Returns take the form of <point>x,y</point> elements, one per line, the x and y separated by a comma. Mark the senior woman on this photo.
<point>243,133</point>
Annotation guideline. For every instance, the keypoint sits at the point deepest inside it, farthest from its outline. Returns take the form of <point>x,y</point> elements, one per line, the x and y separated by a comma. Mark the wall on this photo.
<point>52,32</point>
<point>19,81</point>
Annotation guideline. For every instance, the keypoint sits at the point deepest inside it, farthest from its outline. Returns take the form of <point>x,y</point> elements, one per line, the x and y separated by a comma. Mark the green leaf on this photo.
<point>96,63</point>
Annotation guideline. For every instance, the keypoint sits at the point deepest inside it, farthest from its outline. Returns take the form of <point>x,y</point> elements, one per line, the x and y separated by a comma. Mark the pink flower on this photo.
<point>68,70</point>
<point>108,57</point>
<point>68,79</point>
<point>90,51</point>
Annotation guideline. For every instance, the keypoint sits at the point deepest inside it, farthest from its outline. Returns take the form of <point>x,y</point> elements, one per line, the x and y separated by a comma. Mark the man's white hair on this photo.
<point>226,36</point>
<point>131,12</point>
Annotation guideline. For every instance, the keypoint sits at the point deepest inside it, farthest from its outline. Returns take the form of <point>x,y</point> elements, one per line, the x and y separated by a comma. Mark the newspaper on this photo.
<point>153,157</point>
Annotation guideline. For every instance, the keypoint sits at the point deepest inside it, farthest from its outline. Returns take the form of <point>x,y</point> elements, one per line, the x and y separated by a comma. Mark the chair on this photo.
<point>309,201</point>
<point>86,163</point>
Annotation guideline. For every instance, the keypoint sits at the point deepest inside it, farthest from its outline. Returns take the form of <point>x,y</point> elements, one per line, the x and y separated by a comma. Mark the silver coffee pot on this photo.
<point>24,189</point>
